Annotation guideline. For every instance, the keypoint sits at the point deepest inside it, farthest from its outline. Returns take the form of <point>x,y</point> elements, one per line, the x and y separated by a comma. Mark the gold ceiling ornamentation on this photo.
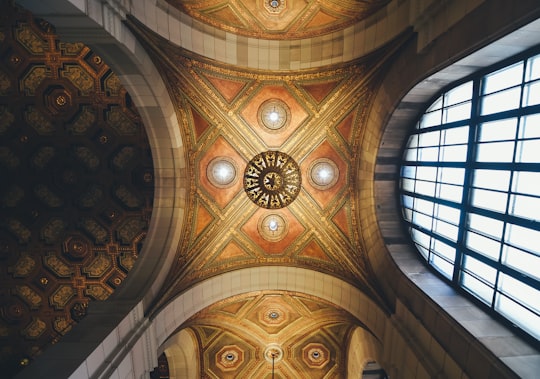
<point>274,114</point>
<point>272,180</point>
<point>274,6</point>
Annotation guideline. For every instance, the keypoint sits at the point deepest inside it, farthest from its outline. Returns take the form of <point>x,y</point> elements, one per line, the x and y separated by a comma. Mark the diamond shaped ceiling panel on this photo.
<point>274,138</point>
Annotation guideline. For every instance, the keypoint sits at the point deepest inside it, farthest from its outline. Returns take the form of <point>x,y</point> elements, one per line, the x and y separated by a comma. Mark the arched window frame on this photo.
<point>457,249</point>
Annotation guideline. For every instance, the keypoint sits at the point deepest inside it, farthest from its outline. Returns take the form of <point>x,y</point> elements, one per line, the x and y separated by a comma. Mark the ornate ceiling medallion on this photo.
<point>221,172</point>
<point>273,227</point>
<point>274,114</point>
<point>272,180</point>
<point>323,173</point>
<point>274,6</point>
<point>273,352</point>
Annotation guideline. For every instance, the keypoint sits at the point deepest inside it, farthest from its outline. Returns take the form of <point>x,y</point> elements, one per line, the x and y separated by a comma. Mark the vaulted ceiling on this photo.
<point>272,164</point>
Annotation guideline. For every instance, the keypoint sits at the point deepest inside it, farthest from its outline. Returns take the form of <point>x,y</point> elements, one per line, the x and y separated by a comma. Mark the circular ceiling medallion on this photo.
<point>221,172</point>
<point>274,6</point>
<point>273,352</point>
<point>272,180</point>
<point>272,227</point>
<point>274,114</point>
<point>316,355</point>
<point>230,357</point>
<point>323,173</point>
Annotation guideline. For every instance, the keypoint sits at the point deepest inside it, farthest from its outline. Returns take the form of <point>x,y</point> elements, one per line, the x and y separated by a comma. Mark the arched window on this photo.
<point>470,188</point>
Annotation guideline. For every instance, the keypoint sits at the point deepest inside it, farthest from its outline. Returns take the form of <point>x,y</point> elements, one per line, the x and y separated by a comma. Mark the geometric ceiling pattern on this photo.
<point>283,19</point>
<point>306,334</point>
<point>219,110</point>
<point>237,126</point>
<point>77,185</point>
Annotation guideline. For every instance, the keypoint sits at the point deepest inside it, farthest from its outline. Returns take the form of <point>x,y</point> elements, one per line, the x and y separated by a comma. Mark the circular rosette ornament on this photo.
<point>272,180</point>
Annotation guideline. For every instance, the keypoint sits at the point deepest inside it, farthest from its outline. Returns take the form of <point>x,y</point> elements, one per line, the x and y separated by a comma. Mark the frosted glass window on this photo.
<point>504,78</point>
<point>533,68</point>
<point>489,200</point>
<point>496,152</point>
<point>473,188</point>
<point>501,101</point>
<point>526,182</point>
<point>459,94</point>
<point>493,179</point>
<point>498,130</point>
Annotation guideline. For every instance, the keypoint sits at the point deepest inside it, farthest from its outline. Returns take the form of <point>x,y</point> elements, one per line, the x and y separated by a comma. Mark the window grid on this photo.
<point>470,193</point>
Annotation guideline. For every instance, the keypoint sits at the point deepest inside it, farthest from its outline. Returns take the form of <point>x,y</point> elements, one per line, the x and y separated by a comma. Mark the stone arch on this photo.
<point>363,348</point>
<point>181,352</point>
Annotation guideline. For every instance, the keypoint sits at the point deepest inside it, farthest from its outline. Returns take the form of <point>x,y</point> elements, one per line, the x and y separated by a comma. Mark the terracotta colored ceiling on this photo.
<point>76,190</point>
<point>288,19</point>
<point>219,109</point>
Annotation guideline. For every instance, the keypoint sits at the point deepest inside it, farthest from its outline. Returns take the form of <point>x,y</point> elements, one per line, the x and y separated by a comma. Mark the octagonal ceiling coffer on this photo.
<point>272,180</point>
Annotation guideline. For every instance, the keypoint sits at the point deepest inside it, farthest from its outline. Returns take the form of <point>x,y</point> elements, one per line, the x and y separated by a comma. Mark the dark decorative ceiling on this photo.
<point>76,190</point>
<point>279,19</point>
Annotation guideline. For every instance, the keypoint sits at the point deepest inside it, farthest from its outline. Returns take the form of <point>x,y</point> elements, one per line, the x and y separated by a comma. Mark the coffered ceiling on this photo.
<point>283,19</point>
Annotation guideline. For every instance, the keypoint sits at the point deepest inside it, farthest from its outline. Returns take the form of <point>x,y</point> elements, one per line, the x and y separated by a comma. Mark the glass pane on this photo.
<point>530,126</point>
<point>426,173</point>
<point>407,214</point>
<point>525,206</point>
<point>528,151</point>
<point>498,130</point>
<point>455,153</point>
<point>526,182</point>
<point>504,78</point>
<point>447,230</point>
<point>424,206</point>
<point>459,94</point>
<point>483,245</point>
<point>425,188</point>
<point>486,225</point>
<point>455,135</point>
<point>407,184</point>
<point>479,269</point>
<point>533,68</point>
<point>451,175</point>
<point>494,179</point>
<point>437,104</point>
<point>495,152</point>
<point>446,213</point>
<point>522,261</point>
<point>420,237</point>
<point>429,138</point>
<point>431,119</point>
<point>423,251</point>
<point>477,288</point>
<point>422,220</point>
<point>411,154</point>
<point>521,316</point>
<point>408,171</point>
<point>407,201</point>
<point>413,141</point>
<point>450,192</point>
<point>457,112</point>
<point>523,237</point>
<point>428,154</point>
<point>444,267</point>
<point>489,200</point>
<point>519,291</point>
<point>501,101</point>
<point>444,250</point>
<point>531,94</point>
